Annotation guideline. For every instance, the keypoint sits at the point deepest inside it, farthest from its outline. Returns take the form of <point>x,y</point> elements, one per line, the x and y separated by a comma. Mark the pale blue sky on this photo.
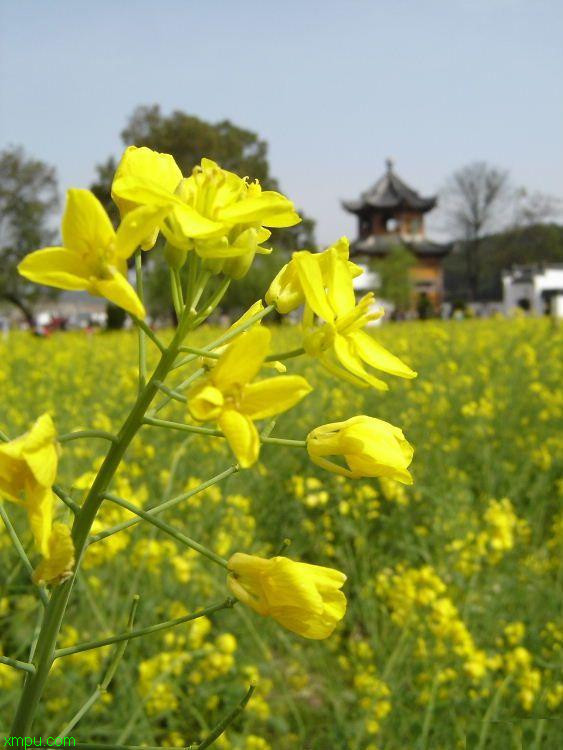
<point>334,87</point>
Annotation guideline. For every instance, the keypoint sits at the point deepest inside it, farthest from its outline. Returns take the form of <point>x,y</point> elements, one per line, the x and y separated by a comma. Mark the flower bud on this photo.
<point>175,256</point>
<point>305,599</point>
<point>370,447</point>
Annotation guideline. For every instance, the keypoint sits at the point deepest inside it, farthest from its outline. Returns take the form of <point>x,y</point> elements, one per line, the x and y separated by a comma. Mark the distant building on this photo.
<point>535,288</point>
<point>389,214</point>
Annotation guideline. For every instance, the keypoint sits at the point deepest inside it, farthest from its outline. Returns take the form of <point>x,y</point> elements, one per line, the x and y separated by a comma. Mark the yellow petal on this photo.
<point>273,396</point>
<point>39,505</point>
<point>267,205</point>
<point>285,219</point>
<point>377,356</point>
<point>40,452</point>
<point>119,291</point>
<point>58,562</point>
<point>137,226</point>
<point>86,226</point>
<point>242,359</point>
<point>56,266</point>
<point>205,402</point>
<point>340,287</point>
<point>241,435</point>
<point>145,164</point>
<point>344,350</point>
<point>313,285</point>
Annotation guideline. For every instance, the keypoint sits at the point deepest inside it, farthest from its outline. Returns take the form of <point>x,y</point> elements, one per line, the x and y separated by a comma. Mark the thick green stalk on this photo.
<point>54,614</point>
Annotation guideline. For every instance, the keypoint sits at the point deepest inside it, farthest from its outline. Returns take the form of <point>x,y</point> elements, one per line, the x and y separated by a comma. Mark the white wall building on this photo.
<point>538,289</point>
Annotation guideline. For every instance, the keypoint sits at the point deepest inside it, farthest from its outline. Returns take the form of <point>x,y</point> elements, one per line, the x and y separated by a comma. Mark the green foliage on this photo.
<point>28,199</point>
<point>540,243</point>
<point>394,273</point>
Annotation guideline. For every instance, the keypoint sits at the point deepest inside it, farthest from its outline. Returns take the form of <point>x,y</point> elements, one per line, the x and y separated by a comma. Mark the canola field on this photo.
<point>453,636</point>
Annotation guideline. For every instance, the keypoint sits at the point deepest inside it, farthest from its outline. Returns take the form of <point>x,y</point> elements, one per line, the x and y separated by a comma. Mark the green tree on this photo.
<point>189,138</point>
<point>395,282</point>
<point>28,199</point>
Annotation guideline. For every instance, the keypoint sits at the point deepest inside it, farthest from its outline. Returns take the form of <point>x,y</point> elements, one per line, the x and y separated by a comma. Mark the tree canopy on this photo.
<point>28,199</point>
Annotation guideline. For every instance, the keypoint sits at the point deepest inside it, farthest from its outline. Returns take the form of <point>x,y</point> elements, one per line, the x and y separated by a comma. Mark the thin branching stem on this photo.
<point>226,337</point>
<point>171,392</point>
<point>89,645</point>
<point>147,330</point>
<point>78,434</point>
<point>17,664</point>
<point>165,506</point>
<point>108,674</point>
<point>168,529</point>
<point>223,725</point>
<point>18,546</point>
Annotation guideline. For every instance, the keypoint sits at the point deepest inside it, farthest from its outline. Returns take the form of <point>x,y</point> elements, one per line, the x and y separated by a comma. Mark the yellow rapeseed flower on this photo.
<point>28,467</point>
<point>305,599</point>
<point>339,341</point>
<point>219,214</point>
<point>94,256</point>
<point>228,397</point>
<point>370,446</point>
<point>286,291</point>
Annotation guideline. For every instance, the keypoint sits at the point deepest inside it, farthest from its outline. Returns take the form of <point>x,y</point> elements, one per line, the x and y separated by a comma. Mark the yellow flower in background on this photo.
<point>160,171</point>
<point>220,215</point>
<point>370,447</point>
<point>339,342</point>
<point>286,291</point>
<point>28,467</point>
<point>58,562</point>
<point>228,397</point>
<point>305,599</point>
<point>94,256</point>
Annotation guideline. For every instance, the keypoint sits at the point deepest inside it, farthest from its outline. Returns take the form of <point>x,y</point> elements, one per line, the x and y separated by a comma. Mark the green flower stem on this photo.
<point>66,498</point>
<point>175,294</point>
<point>170,530</point>
<point>17,664</point>
<point>83,521</point>
<point>181,387</point>
<point>164,506</point>
<point>198,291</point>
<point>176,273</point>
<point>142,341</point>
<point>129,635</point>
<point>285,441</point>
<point>213,301</point>
<point>223,725</point>
<point>108,676</point>
<point>285,355</point>
<point>18,546</point>
<point>231,334</point>
<point>4,437</point>
<point>147,330</point>
<point>102,434</point>
<point>172,393</point>
<point>167,424</point>
<point>199,352</point>
<point>152,422</point>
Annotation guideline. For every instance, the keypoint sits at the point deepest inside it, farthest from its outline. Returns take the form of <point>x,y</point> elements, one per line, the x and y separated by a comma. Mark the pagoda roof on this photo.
<point>389,192</point>
<point>380,246</point>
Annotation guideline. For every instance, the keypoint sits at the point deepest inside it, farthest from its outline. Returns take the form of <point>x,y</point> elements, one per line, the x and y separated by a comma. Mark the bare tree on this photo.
<point>475,202</point>
<point>534,208</point>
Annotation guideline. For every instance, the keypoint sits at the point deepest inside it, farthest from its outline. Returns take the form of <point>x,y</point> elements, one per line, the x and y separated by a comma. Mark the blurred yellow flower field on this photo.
<point>453,636</point>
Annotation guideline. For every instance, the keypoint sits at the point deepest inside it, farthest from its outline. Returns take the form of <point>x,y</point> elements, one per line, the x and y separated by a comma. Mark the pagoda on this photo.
<point>391,214</point>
